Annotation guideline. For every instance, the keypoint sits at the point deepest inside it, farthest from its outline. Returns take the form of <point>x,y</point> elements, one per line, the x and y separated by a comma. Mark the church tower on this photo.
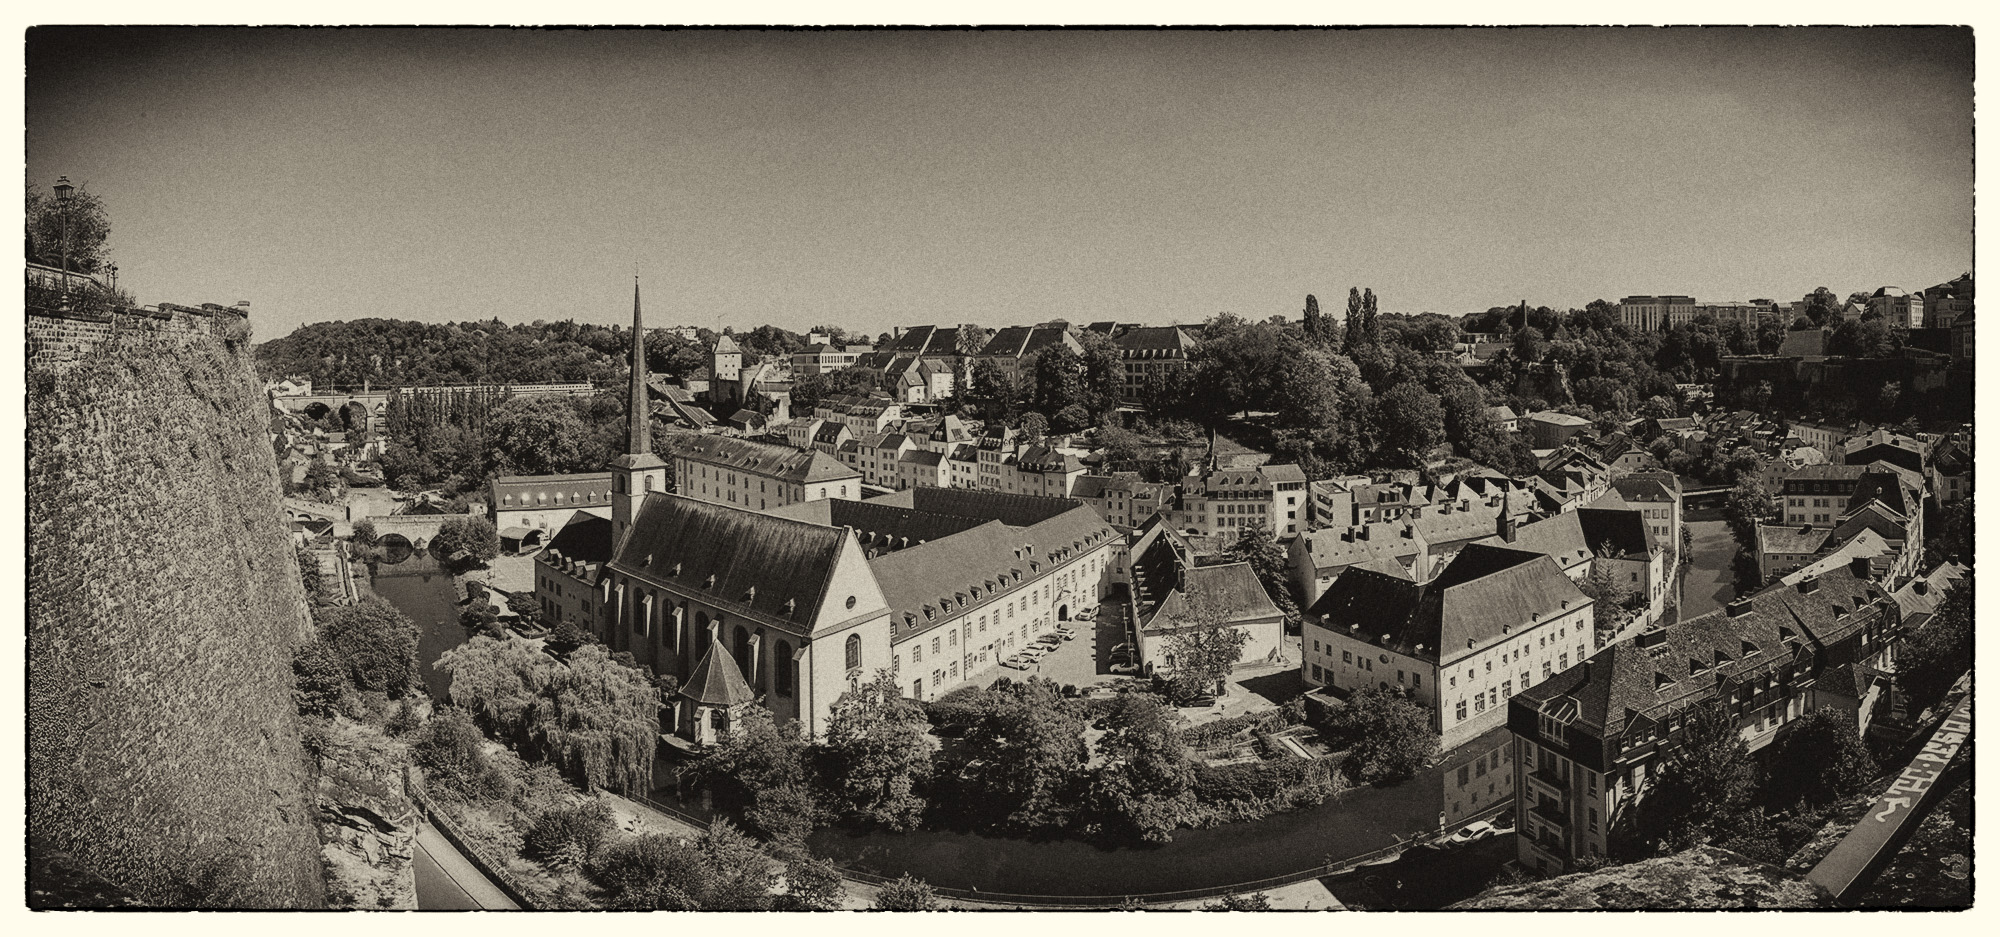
<point>638,471</point>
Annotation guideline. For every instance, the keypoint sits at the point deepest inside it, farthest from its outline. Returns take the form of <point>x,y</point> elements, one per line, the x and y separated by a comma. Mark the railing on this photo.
<point>413,785</point>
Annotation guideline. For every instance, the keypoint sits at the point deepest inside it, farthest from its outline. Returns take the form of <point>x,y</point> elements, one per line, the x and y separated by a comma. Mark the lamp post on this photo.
<point>63,191</point>
<point>113,269</point>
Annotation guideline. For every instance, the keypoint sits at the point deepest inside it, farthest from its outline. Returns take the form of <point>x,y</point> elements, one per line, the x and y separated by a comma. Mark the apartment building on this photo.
<point>1224,502</point>
<point>1149,352</point>
<point>1655,313</point>
<point>1587,740</point>
<point>1493,623</point>
<point>755,475</point>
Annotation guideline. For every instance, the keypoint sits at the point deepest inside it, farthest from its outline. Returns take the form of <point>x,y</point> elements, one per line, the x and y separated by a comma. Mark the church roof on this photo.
<point>717,681</point>
<point>772,568</point>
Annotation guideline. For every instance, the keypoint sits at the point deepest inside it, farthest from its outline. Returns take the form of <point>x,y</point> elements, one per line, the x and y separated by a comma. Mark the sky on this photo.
<point>901,178</point>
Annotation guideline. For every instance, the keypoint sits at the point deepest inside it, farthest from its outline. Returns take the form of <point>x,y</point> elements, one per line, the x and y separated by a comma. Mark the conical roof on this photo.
<point>726,345</point>
<point>717,681</point>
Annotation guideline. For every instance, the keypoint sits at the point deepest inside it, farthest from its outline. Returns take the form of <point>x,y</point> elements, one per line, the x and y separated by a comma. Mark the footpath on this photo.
<point>462,887</point>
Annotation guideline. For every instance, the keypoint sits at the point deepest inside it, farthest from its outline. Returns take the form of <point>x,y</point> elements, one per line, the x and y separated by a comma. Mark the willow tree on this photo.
<point>605,722</point>
<point>502,682</point>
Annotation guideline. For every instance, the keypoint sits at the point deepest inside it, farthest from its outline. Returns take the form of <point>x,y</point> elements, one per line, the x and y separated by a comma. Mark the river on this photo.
<point>1711,577</point>
<point>423,592</point>
<point>1359,822</point>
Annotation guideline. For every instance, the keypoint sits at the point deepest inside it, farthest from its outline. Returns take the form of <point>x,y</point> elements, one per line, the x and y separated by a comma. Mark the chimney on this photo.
<point>1809,585</point>
<point>1738,608</point>
<point>1861,568</point>
<point>1922,587</point>
<point>1361,533</point>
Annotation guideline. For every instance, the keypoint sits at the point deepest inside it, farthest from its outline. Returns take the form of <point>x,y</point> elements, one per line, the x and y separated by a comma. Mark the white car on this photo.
<point>1067,634</point>
<point>1033,652</point>
<point>1086,615</point>
<point>1015,662</point>
<point>1473,832</point>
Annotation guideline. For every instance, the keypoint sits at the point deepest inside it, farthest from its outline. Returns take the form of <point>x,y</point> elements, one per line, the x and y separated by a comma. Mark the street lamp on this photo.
<point>113,270</point>
<point>63,191</point>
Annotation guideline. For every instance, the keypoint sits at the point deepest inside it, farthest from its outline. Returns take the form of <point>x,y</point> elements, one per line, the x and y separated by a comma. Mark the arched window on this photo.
<point>854,652</point>
<point>649,483</point>
<point>742,650</point>
<point>700,634</point>
<point>781,666</point>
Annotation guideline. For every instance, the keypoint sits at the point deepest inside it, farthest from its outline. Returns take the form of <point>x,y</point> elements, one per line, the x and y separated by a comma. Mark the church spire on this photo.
<point>639,437</point>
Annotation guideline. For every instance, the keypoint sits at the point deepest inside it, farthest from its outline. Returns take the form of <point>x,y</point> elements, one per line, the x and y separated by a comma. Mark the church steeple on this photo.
<point>638,471</point>
<point>639,436</point>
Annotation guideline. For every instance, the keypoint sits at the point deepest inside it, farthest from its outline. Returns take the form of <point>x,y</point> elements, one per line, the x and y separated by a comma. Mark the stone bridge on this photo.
<point>418,529</point>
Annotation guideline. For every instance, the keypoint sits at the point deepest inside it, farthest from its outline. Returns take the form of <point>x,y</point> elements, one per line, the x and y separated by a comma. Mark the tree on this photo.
<point>1949,538</point>
<point>474,535</point>
<point>1409,422</point>
<point>319,678</point>
<point>1271,564</point>
<point>1702,788</point>
<point>377,646</point>
<point>567,636</point>
<point>1609,595</point>
<point>969,339</point>
<point>540,436</point>
<point>1819,759</point>
<point>808,391</point>
<point>321,480</point>
<point>1031,739</point>
<point>906,894</point>
<point>364,532</point>
<point>1145,787</point>
<point>603,720</point>
<point>1748,504</point>
<point>764,770</point>
<point>880,750</point>
<point>1059,381</point>
<point>1103,371</point>
<point>1390,735</point>
<point>77,228</point>
<point>501,682</point>
<point>1932,659</point>
<point>1202,646</point>
<point>1034,427</point>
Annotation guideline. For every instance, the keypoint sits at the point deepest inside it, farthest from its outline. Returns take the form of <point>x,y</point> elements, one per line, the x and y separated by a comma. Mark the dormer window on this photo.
<point>676,571</point>
<point>709,583</point>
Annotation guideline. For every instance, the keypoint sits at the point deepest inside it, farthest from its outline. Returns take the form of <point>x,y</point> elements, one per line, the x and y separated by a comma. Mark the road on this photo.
<point>447,881</point>
<point>1711,579</point>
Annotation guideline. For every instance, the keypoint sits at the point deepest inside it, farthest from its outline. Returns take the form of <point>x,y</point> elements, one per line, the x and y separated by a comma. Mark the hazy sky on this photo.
<point>902,178</point>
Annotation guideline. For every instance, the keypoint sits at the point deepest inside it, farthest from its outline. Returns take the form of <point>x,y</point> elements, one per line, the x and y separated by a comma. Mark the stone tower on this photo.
<point>637,471</point>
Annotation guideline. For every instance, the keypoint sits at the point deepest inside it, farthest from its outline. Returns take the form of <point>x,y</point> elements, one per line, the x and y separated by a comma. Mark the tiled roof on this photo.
<point>1233,586</point>
<point>717,681</point>
<point>1156,338</point>
<point>1553,418</point>
<point>1012,510</point>
<point>1776,538</point>
<point>1559,537</point>
<point>1332,547</point>
<point>1616,534</point>
<point>781,462</point>
<point>922,457</point>
<point>876,519</point>
<point>1913,599</point>
<point>761,565</point>
<point>1015,341</point>
<point>585,538</point>
<point>1484,592</point>
<point>724,345</point>
<point>1627,680</point>
<point>929,575</point>
<point>587,488</point>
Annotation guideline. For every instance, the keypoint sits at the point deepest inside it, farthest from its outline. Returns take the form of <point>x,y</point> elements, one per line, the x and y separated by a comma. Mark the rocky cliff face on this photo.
<point>367,826</point>
<point>164,607</point>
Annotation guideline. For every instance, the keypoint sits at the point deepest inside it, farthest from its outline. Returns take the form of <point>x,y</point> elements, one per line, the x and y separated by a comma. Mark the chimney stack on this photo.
<point>1861,568</point>
<point>1809,586</point>
<point>1738,608</point>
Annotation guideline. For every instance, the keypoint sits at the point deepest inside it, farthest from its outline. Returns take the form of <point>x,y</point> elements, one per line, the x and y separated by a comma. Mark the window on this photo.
<point>1479,702</point>
<point>1506,689</point>
<point>1454,680</point>
<point>1565,660</point>
<point>1399,676</point>
<point>781,668</point>
<point>1461,711</point>
<point>1347,657</point>
<point>1593,819</point>
<point>1524,680</point>
<point>1489,666</point>
<point>1417,681</point>
<point>853,652</point>
<point>937,645</point>
<point>917,653</point>
<point>1464,775</point>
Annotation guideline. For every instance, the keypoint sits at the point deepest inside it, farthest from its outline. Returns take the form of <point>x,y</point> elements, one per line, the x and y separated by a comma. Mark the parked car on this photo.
<point>1033,652</point>
<point>1125,667</point>
<point>1086,615</point>
<point>1015,662</point>
<point>1473,832</point>
<point>1053,639</point>
<point>1121,649</point>
<point>1067,634</point>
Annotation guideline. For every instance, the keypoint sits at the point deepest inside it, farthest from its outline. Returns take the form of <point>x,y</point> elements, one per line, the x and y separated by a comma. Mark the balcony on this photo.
<point>1541,781</point>
<point>1551,812</point>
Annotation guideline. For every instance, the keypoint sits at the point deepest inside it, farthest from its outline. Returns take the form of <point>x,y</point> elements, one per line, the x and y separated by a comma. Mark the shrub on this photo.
<point>320,678</point>
<point>566,837</point>
<point>377,646</point>
<point>812,885</point>
<point>451,751</point>
<point>906,894</point>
